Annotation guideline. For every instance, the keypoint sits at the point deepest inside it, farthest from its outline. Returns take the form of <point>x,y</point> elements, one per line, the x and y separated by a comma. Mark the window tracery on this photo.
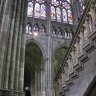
<point>60,10</point>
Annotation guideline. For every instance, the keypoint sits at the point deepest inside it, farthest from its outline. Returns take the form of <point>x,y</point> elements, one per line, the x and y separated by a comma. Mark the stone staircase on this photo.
<point>78,68</point>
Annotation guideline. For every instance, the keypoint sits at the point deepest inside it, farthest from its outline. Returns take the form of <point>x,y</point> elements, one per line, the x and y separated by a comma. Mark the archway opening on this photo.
<point>33,64</point>
<point>58,57</point>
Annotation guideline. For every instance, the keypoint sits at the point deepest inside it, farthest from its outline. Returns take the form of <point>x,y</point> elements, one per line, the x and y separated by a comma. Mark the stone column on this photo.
<point>22,49</point>
<point>17,66</point>
<point>14,46</point>
<point>4,33</point>
<point>48,61</point>
<point>8,55</point>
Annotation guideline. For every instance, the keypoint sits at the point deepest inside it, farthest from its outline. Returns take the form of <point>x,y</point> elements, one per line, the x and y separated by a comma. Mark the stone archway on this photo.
<point>33,68</point>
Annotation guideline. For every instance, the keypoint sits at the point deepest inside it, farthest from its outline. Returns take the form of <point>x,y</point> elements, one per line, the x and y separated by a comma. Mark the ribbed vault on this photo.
<point>33,58</point>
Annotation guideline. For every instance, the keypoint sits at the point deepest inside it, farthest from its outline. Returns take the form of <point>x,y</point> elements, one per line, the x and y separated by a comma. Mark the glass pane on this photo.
<point>30,9</point>
<point>37,10</point>
<point>70,20</point>
<point>58,14</point>
<point>53,12</point>
<point>64,13</point>
<point>43,11</point>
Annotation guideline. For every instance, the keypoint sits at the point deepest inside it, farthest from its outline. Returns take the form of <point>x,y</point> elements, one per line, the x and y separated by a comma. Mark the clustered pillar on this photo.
<point>12,46</point>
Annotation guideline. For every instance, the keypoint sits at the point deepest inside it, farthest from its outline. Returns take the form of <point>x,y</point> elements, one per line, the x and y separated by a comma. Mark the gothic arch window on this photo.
<point>58,14</point>
<point>38,7</point>
<point>30,9</point>
<point>43,11</point>
<point>70,17</point>
<point>53,13</point>
<point>37,10</point>
<point>61,10</point>
<point>64,13</point>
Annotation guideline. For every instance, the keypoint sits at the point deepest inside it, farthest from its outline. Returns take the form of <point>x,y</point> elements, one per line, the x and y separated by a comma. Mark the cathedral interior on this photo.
<point>48,46</point>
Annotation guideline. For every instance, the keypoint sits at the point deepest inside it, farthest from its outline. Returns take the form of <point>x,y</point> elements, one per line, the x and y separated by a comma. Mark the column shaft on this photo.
<point>48,63</point>
<point>22,49</point>
<point>17,67</point>
<point>6,20</point>
<point>14,45</point>
<point>8,55</point>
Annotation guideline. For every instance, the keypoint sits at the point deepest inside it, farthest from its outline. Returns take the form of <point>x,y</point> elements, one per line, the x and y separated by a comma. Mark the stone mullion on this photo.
<point>6,21</point>
<point>8,57</point>
<point>22,50</point>
<point>14,46</point>
<point>17,69</point>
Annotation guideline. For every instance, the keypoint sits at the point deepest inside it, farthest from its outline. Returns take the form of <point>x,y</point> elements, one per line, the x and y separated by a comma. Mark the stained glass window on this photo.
<point>37,10</point>
<point>70,17</point>
<point>64,13</point>
<point>63,6</point>
<point>43,11</point>
<point>30,9</point>
<point>58,14</point>
<point>60,10</point>
<point>53,15</point>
